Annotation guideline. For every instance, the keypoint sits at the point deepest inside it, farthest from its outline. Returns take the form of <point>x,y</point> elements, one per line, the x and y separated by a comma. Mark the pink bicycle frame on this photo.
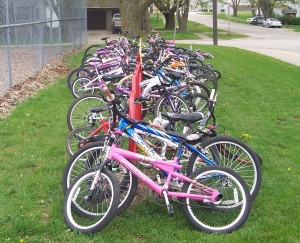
<point>122,155</point>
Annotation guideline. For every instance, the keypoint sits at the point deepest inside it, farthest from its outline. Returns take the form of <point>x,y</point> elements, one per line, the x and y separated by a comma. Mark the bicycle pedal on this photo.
<point>170,210</point>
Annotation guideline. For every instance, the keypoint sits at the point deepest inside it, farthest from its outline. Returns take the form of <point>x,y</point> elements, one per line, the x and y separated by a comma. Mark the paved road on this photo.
<point>278,43</point>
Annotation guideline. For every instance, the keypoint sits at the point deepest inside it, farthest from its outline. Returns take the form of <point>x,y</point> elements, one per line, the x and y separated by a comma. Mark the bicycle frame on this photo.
<point>131,132</point>
<point>123,157</point>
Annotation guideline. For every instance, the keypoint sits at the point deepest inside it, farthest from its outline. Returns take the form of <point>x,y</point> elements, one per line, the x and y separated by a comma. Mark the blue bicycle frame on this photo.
<point>129,129</point>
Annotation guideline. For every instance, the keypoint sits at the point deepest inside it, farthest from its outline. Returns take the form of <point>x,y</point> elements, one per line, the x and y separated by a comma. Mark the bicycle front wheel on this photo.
<point>74,138</point>
<point>89,157</point>
<point>91,214</point>
<point>232,153</point>
<point>229,213</point>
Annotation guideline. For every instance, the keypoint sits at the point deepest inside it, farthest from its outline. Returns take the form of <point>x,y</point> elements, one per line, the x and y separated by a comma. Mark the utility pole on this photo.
<point>215,23</point>
<point>177,7</point>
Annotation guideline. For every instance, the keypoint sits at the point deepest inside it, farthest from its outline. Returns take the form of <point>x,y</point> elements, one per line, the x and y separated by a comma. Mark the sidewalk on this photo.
<point>94,36</point>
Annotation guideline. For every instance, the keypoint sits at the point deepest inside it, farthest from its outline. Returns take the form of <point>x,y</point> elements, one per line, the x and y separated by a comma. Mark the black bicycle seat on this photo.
<point>187,117</point>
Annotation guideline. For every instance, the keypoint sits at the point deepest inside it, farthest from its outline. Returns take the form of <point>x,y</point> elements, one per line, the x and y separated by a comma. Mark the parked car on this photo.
<point>116,23</point>
<point>272,22</point>
<point>257,20</point>
<point>249,20</point>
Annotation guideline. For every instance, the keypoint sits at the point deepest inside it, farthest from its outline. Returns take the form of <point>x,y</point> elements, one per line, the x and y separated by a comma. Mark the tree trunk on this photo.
<point>267,8</point>
<point>235,10</point>
<point>147,25</point>
<point>170,21</point>
<point>182,16</point>
<point>132,14</point>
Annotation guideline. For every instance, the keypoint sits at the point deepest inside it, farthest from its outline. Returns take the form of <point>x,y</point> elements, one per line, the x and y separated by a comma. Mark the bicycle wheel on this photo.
<point>171,103</point>
<point>206,76</point>
<point>100,208</point>
<point>79,89</point>
<point>74,138</point>
<point>232,210</point>
<point>89,157</point>
<point>197,102</point>
<point>76,73</point>
<point>232,153</point>
<point>79,114</point>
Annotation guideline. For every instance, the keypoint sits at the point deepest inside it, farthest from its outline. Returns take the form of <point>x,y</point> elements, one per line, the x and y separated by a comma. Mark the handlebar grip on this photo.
<point>110,96</point>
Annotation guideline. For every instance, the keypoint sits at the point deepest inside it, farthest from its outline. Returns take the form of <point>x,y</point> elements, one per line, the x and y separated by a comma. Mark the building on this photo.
<point>100,12</point>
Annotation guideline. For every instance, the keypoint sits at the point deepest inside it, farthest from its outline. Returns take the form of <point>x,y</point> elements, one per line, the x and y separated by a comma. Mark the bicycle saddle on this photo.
<point>188,117</point>
<point>109,77</point>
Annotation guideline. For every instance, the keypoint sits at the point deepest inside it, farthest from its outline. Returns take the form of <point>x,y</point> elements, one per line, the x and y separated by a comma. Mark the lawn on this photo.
<point>194,31</point>
<point>258,95</point>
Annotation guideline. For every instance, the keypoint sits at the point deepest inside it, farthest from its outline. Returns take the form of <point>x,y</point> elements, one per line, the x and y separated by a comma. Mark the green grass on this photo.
<point>194,31</point>
<point>258,95</point>
<point>240,18</point>
<point>295,28</point>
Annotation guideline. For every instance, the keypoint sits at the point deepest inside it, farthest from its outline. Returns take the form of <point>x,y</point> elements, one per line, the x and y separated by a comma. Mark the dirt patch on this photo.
<point>20,92</point>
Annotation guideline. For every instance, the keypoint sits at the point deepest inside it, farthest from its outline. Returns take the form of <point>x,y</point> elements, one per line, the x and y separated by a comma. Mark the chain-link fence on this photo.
<point>33,32</point>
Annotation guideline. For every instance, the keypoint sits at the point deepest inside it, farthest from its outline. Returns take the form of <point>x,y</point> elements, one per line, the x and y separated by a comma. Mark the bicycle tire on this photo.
<point>76,73</point>
<point>158,107</point>
<point>207,77</point>
<point>198,102</point>
<point>87,57</point>
<point>217,73</point>
<point>88,50</point>
<point>78,113</point>
<point>74,137</point>
<point>89,157</point>
<point>232,211</point>
<point>107,194</point>
<point>78,89</point>
<point>178,102</point>
<point>232,153</point>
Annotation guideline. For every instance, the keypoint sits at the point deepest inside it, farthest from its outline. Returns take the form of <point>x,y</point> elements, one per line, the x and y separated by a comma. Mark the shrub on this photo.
<point>289,20</point>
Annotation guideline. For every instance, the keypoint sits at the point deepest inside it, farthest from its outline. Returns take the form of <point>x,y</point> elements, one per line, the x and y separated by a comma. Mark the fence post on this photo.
<point>41,30</point>
<point>9,82</point>
<point>60,27</point>
<point>51,25</point>
<point>73,26</point>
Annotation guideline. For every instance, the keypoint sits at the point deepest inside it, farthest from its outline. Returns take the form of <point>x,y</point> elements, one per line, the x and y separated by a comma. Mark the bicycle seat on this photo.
<point>189,138</point>
<point>110,77</point>
<point>104,38</point>
<point>188,117</point>
<point>177,51</point>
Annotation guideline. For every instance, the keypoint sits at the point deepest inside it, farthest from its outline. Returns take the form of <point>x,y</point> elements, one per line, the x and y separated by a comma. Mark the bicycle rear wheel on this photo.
<point>232,210</point>
<point>77,73</point>
<point>74,138</point>
<point>100,207</point>
<point>79,114</point>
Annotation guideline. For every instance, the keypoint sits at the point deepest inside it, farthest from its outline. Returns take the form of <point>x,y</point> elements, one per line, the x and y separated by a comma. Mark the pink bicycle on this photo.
<point>213,199</point>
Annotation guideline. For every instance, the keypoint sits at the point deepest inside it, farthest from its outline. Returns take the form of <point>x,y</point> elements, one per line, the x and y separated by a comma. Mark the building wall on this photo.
<point>108,6</point>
